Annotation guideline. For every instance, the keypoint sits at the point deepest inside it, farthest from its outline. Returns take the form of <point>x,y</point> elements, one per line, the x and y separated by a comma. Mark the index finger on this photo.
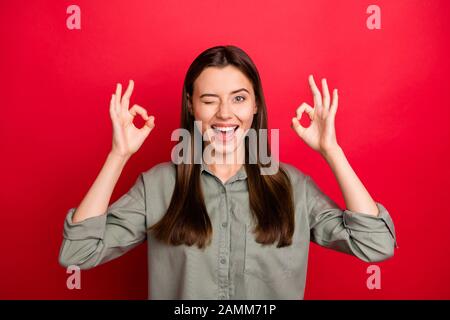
<point>117,97</point>
<point>316,93</point>
<point>129,90</point>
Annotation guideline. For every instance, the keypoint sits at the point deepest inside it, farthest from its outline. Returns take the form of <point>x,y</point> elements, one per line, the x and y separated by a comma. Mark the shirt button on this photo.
<point>222,261</point>
<point>224,224</point>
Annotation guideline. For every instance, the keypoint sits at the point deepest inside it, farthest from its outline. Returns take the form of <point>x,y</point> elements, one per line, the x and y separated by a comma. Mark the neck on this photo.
<point>225,165</point>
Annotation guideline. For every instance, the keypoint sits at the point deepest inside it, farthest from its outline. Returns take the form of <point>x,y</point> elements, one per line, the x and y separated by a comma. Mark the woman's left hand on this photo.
<point>321,133</point>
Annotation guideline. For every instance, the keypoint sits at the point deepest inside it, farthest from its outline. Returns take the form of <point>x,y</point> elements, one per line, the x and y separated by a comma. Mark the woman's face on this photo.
<point>224,101</point>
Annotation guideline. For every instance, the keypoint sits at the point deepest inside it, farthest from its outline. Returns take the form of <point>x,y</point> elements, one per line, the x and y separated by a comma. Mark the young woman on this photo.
<point>224,230</point>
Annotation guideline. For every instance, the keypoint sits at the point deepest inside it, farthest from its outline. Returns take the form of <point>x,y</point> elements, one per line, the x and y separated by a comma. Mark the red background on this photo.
<point>392,123</point>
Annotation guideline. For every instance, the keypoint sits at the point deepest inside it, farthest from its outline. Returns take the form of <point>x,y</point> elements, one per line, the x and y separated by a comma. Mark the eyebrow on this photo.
<point>215,95</point>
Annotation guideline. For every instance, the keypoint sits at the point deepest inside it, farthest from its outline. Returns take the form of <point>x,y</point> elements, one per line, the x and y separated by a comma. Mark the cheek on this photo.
<point>201,114</point>
<point>204,116</point>
<point>246,116</point>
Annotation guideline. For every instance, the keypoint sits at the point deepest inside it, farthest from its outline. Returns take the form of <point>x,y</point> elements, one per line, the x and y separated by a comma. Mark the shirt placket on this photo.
<point>224,247</point>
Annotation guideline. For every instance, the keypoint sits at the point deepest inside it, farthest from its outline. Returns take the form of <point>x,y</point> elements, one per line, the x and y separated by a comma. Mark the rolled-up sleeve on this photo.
<point>370,238</point>
<point>99,239</point>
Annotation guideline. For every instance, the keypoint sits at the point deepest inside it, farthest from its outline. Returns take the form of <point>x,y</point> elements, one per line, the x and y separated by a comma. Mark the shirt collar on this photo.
<point>241,174</point>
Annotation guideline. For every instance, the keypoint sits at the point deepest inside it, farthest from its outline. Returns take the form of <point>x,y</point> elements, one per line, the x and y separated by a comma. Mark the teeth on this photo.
<point>224,129</point>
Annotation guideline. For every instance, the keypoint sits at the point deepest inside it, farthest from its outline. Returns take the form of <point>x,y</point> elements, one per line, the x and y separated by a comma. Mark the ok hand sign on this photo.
<point>127,139</point>
<point>320,135</point>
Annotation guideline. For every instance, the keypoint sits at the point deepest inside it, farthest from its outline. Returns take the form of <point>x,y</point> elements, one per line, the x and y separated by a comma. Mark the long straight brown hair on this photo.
<point>270,196</point>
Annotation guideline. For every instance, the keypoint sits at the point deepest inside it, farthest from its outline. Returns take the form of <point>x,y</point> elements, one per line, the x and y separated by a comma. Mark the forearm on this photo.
<point>96,201</point>
<point>355,195</point>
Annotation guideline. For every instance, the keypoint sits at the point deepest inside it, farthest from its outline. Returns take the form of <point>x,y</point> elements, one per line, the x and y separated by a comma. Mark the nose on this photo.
<point>224,111</point>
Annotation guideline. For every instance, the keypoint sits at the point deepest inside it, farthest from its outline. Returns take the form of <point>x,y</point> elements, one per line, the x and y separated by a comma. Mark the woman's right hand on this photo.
<point>127,139</point>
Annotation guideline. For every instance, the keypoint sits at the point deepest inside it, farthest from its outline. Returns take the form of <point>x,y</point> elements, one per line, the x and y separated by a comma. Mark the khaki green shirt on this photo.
<point>234,266</point>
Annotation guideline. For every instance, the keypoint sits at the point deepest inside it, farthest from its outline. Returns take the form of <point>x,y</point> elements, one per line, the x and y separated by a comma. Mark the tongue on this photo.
<point>226,136</point>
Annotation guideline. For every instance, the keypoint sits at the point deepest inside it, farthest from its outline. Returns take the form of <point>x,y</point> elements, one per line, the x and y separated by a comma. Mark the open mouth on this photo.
<point>224,134</point>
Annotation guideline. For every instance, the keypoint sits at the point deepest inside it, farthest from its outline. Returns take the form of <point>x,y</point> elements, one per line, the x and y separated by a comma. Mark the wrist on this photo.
<point>332,152</point>
<point>118,157</point>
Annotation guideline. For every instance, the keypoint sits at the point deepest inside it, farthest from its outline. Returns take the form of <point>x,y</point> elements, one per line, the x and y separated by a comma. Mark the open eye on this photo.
<point>240,100</point>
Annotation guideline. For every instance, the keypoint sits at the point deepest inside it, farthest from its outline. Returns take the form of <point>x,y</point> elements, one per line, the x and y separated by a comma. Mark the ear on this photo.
<point>255,109</point>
